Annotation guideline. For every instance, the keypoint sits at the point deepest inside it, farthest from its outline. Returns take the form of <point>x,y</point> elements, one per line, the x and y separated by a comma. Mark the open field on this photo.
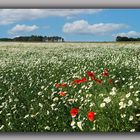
<point>70,87</point>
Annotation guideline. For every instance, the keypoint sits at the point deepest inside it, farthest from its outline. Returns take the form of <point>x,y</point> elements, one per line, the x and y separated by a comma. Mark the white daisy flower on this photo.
<point>26,116</point>
<point>1,127</point>
<point>107,100</point>
<point>79,124</point>
<point>40,105</point>
<point>132,130</point>
<point>128,95</point>
<point>131,87</point>
<point>72,123</point>
<point>123,115</point>
<point>102,105</point>
<point>130,102</point>
<point>131,118</point>
<point>47,128</point>
<point>138,115</point>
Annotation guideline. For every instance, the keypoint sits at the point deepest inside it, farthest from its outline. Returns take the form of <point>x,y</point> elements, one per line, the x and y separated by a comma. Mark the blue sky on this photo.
<point>72,24</point>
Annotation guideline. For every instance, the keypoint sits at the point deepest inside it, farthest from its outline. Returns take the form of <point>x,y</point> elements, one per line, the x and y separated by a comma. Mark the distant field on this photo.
<point>70,87</point>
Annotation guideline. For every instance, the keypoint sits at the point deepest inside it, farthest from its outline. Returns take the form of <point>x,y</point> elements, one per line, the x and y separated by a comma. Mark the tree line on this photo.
<point>119,38</point>
<point>35,38</point>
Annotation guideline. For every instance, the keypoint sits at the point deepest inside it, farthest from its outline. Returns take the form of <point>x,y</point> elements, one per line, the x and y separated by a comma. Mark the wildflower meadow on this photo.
<point>69,87</point>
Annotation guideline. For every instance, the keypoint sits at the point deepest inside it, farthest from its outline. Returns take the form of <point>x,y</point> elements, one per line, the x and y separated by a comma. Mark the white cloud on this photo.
<point>9,16</point>
<point>83,27</point>
<point>22,28</point>
<point>129,34</point>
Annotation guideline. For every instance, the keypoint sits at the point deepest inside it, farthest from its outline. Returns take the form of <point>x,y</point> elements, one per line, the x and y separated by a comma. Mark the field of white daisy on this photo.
<point>69,87</point>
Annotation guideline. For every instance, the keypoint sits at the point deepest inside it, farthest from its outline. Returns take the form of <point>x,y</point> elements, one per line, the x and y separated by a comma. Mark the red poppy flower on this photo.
<point>74,112</point>
<point>62,93</point>
<point>110,81</point>
<point>98,81</point>
<point>60,85</point>
<point>93,78</point>
<point>78,81</point>
<point>90,74</point>
<point>105,73</point>
<point>91,115</point>
<point>83,80</point>
<point>63,85</point>
<point>72,83</point>
<point>57,85</point>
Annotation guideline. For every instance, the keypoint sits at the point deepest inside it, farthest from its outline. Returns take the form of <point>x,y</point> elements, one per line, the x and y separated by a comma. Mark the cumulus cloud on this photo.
<point>22,29</point>
<point>128,34</point>
<point>83,27</point>
<point>9,16</point>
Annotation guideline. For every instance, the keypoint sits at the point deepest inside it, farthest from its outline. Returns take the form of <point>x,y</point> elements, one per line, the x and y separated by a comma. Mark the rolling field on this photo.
<point>69,87</point>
